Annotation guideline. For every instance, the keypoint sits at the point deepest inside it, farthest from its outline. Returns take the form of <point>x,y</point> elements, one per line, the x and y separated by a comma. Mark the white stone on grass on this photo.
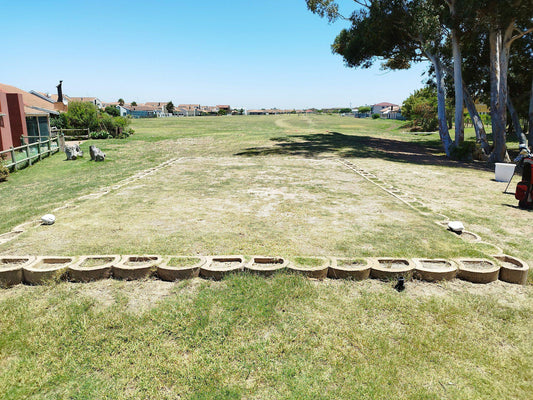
<point>456,226</point>
<point>48,219</point>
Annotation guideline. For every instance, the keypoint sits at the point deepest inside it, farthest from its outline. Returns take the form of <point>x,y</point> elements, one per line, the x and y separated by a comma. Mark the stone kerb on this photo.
<point>512,269</point>
<point>434,269</point>
<point>11,273</point>
<point>218,267</point>
<point>92,268</point>
<point>312,267</point>
<point>46,269</point>
<point>174,268</point>
<point>136,267</point>
<point>266,266</point>
<point>349,268</point>
<point>387,268</point>
<point>477,270</point>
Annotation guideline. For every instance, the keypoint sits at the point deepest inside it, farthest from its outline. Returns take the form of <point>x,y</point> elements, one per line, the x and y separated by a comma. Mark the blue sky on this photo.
<point>246,53</point>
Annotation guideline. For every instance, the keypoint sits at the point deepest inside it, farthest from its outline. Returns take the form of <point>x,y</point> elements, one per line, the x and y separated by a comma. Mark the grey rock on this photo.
<point>73,152</point>
<point>96,153</point>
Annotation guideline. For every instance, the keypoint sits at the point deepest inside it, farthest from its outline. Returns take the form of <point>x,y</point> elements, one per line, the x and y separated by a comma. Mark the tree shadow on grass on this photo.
<point>423,152</point>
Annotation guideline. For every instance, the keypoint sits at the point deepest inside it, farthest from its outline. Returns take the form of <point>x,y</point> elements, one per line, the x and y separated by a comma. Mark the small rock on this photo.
<point>48,219</point>
<point>96,153</point>
<point>456,226</point>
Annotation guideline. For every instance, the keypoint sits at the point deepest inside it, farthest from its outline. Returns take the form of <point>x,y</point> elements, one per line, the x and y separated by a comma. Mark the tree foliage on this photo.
<point>113,111</point>
<point>421,108</point>
<point>170,107</point>
<point>467,41</point>
<point>83,115</point>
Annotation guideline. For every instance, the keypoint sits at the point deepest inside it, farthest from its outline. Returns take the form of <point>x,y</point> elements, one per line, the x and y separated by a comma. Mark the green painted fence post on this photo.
<point>28,154</point>
<point>13,159</point>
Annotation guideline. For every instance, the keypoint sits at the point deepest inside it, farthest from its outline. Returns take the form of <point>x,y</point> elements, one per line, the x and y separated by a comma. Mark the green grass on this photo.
<point>270,186</point>
<point>249,337</point>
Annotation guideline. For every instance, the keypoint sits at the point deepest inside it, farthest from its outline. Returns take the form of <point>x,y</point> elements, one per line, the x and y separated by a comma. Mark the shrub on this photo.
<point>60,121</point>
<point>4,172</point>
<point>82,115</point>
<point>99,135</point>
<point>113,111</point>
<point>375,116</point>
<point>463,152</point>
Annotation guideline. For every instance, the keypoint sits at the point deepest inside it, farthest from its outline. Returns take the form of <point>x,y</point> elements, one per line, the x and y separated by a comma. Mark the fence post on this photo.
<point>49,145</point>
<point>22,140</point>
<point>39,149</point>
<point>12,150</point>
<point>28,154</point>
<point>61,141</point>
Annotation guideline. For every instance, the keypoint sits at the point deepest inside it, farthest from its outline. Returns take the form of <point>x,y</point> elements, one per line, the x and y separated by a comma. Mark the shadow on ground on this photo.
<point>349,146</point>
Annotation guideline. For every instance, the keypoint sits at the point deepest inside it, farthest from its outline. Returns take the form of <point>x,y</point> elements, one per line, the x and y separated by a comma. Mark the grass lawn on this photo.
<point>269,185</point>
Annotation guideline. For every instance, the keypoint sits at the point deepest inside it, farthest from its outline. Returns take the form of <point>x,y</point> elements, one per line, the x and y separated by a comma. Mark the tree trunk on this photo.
<point>479,128</point>
<point>499,62</point>
<point>457,78</point>
<point>516,122</point>
<point>441,104</point>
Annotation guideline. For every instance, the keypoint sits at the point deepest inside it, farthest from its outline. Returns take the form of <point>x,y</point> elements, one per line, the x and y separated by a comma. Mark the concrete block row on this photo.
<point>39,270</point>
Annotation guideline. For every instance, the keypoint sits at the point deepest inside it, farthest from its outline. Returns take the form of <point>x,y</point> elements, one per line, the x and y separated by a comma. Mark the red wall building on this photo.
<point>6,138</point>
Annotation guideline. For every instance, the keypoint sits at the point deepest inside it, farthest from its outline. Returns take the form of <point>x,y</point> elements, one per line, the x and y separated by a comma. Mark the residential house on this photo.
<point>386,110</point>
<point>189,110</point>
<point>23,114</point>
<point>93,100</point>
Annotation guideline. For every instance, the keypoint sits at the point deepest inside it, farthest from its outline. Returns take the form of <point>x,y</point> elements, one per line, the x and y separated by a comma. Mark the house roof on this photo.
<point>33,104</point>
<point>385,104</point>
<point>84,99</point>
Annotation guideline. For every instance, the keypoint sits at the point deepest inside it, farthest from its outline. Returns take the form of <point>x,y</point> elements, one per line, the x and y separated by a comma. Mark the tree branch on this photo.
<point>522,33</point>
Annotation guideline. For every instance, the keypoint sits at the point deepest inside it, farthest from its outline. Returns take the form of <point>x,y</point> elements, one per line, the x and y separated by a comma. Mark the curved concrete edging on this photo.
<point>266,266</point>
<point>101,268</point>
<point>218,267</point>
<point>135,267</point>
<point>168,272</point>
<point>11,273</point>
<point>477,270</point>
<point>349,268</point>
<point>316,272</point>
<point>434,269</point>
<point>40,270</point>
<point>46,269</point>
<point>512,269</point>
<point>391,268</point>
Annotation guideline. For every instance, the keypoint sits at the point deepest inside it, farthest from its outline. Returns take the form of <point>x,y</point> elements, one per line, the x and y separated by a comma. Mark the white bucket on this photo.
<point>504,172</point>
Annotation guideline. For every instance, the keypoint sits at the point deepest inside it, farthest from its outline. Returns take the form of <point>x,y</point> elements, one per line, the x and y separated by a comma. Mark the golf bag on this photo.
<point>524,188</point>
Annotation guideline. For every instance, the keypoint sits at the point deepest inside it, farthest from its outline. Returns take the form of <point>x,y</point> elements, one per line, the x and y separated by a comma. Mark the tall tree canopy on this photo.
<point>400,32</point>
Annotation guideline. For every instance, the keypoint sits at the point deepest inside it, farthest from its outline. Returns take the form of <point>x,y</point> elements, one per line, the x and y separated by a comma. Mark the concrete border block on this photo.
<point>11,273</point>
<point>46,269</point>
<point>386,268</point>
<point>349,268</point>
<point>171,273</point>
<point>266,266</point>
<point>100,269</point>
<point>218,267</point>
<point>133,267</point>
<point>434,269</point>
<point>512,269</point>
<point>477,270</point>
<point>311,271</point>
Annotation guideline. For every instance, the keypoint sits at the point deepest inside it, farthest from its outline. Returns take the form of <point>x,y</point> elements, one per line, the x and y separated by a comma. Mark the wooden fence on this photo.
<point>29,153</point>
<point>72,134</point>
